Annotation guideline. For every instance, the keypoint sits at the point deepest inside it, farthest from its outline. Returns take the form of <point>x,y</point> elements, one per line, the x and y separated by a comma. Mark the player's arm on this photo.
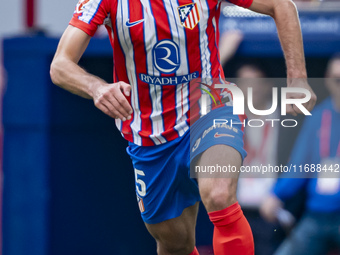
<point>285,14</point>
<point>66,73</point>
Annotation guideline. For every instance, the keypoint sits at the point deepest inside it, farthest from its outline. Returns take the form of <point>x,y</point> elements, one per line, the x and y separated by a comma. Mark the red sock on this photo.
<point>232,233</point>
<point>194,252</point>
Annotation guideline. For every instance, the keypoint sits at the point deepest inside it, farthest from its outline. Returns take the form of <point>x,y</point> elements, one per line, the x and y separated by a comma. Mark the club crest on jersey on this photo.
<point>140,204</point>
<point>80,5</point>
<point>189,15</point>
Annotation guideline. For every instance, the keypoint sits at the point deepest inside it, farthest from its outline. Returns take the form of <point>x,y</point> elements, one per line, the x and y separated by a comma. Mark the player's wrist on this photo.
<point>94,87</point>
<point>296,74</point>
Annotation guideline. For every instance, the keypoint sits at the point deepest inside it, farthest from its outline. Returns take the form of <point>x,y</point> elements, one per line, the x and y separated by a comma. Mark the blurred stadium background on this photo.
<point>67,183</point>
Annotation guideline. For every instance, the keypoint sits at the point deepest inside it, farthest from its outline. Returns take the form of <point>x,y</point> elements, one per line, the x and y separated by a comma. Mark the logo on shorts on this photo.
<point>197,143</point>
<point>189,15</point>
<point>80,5</point>
<point>140,204</point>
<point>166,57</point>
<point>217,135</point>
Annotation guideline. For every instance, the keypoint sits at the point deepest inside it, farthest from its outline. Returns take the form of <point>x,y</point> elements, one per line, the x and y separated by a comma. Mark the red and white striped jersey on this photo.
<point>159,47</point>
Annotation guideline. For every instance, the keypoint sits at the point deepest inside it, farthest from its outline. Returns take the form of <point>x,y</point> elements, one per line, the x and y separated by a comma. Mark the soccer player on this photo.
<point>160,46</point>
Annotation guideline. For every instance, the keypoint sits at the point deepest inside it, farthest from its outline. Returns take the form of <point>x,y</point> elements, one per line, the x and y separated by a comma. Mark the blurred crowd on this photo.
<point>291,215</point>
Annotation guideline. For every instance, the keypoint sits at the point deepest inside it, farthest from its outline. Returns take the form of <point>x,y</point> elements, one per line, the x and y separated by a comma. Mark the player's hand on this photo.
<point>300,83</point>
<point>111,99</point>
<point>270,207</point>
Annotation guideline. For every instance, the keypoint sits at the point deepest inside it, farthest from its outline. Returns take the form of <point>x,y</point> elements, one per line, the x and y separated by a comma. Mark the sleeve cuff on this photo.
<point>248,4</point>
<point>87,28</point>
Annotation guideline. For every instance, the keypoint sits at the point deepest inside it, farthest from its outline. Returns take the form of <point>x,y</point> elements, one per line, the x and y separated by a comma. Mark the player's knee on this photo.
<point>218,198</point>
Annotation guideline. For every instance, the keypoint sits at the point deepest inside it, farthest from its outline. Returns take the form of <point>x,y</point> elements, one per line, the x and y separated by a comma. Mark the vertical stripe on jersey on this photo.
<point>90,10</point>
<point>109,26</point>
<point>120,74</point>
<point>168,100</point>
<point>125,42</point>
<point>192,56</point>
<point>195,52</point>
<point>155,90</point>
<point>182,90</point>
<point>216,20</point>
<point>205,52</point>
<point>136,14</point>
<point>211,32</point>
<point>215,56</point>
<point>119,124</point>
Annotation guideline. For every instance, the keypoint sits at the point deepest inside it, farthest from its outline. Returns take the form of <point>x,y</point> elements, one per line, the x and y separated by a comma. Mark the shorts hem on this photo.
<point>242,152</point>
<point>177,214</point>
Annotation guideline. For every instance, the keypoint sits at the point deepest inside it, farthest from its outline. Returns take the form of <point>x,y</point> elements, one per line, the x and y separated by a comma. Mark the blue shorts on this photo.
<point>162,173</point>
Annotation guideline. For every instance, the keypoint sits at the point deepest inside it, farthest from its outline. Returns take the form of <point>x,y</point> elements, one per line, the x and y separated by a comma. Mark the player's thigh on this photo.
<point>218,189</point>
<point>223,160</point>
<point>216,157</point>
<point>177,234</point>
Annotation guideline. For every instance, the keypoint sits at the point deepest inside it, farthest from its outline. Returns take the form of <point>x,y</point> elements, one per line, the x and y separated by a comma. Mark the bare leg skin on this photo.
<point>176,236</point>
<point>219,193</point>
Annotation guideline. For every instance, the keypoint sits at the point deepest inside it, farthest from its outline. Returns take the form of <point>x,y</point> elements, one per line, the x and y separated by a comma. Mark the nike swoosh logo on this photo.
<point>131,24</point>
<point>217,135</point>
